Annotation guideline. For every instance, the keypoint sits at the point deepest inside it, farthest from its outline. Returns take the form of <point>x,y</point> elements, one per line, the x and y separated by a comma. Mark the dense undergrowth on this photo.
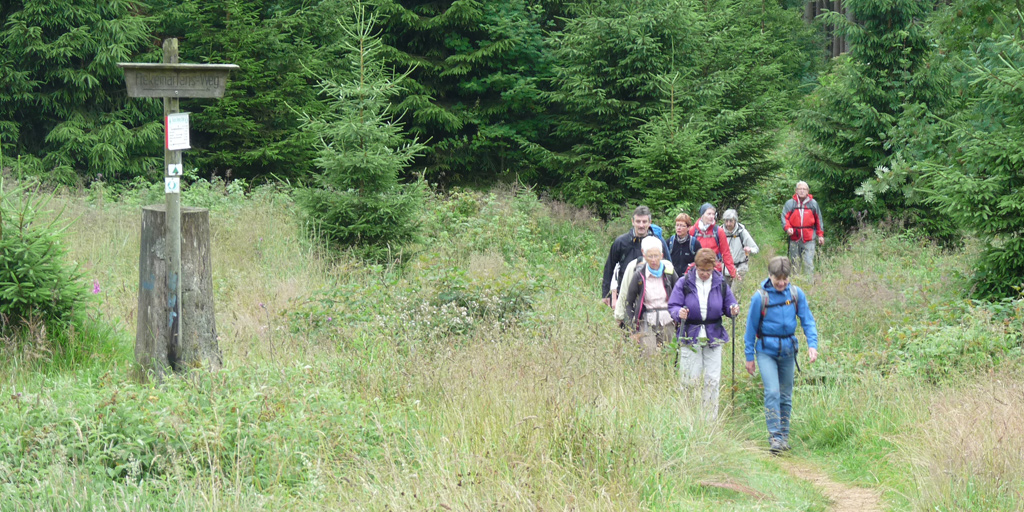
<point>481,373</point>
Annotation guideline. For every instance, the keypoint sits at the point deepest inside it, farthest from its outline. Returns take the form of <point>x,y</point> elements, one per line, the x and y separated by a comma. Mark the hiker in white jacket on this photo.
<point>741,244</point>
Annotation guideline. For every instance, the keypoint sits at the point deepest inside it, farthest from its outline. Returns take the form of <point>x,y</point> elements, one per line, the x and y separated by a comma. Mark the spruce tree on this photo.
<point>63,105</point>
<point>671,103</point>
<point>850,124</point>
<point>971,166</point>
<point>472,92</point>
<point>254,130</point>
<point>359,200</point>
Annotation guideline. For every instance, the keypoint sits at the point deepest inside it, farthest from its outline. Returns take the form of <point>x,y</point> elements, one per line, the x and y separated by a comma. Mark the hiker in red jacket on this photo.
<point>801,219</point>
<point>705,234</point>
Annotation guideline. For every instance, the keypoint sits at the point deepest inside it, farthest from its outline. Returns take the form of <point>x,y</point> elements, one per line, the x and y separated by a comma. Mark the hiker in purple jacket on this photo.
<point>699,302</point>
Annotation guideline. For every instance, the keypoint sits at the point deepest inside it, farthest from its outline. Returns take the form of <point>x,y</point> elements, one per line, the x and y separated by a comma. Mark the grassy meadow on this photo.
<point>483,373</point>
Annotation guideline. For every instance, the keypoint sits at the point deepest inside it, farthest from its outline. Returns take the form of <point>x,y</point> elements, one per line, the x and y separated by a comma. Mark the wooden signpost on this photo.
<point>173,333</point>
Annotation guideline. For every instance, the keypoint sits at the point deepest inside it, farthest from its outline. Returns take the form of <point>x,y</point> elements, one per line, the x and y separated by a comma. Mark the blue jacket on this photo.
<point>779,325</point>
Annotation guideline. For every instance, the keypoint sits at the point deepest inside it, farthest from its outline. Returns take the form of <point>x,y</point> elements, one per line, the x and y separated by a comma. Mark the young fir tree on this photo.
<point>850,123</point>
<point>63,105</point>
<point>359,201</point>
<point>37,282</point>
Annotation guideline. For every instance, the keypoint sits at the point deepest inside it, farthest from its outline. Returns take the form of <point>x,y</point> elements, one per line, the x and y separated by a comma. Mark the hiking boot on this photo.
<point>785,445</point>
<point>777,446</point>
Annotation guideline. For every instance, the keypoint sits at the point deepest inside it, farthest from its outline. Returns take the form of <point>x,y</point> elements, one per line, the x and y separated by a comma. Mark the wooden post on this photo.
<point>176,328</point>
<point>173,208</point>
<point>154,350</point>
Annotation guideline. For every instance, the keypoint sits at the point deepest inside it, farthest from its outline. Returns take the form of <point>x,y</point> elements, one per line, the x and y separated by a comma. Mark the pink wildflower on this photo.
<point>95,286</point>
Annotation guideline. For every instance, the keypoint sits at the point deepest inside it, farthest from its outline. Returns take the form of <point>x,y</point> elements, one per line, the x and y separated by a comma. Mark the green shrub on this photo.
<point>958,338</point>
<point>37,285</point>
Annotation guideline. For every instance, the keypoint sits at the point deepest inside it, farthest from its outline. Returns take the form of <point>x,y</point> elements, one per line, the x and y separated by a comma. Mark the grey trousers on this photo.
<point>695,362</point>
<point>802,251</point>
<point>652,337</point>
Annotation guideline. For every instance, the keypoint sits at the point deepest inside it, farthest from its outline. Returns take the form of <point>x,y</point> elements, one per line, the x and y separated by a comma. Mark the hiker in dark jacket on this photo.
<point>647,299</point>
<point>699,303</point>
<point>624,249</point>
<point>771,340</point>
<point>679,249</point>
<point>801,220</point>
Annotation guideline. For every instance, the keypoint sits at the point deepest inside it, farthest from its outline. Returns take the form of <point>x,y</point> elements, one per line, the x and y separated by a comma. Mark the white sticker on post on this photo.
<point>172,185</point>
<point>176,130</point>
<point>174,169</point>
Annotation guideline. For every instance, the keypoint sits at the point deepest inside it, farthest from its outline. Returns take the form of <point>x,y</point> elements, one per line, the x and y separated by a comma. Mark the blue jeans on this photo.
<point>777,376</point>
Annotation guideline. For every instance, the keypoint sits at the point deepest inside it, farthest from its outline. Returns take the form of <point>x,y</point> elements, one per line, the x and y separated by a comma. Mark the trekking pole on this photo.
<point>732,399</point>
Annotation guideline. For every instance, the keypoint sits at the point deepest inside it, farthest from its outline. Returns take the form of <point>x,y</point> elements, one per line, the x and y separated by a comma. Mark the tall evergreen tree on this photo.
<point>966,159</point>
<point>63,105</point>
<point>280,47</point>
<point>850,123</point>
<point>359,200</point>
<point>472,91</point>
<point>671,102</point>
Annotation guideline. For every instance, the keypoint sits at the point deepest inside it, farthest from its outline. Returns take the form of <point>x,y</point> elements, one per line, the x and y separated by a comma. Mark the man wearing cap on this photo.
<point>801,219</point>
<point>706,234</point>
<point>741,244</point>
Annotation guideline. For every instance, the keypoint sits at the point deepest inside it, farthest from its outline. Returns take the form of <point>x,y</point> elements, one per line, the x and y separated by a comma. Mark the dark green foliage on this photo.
<point>361,152</point>
<point>472,92</point>
<point>976,171</point>
<point>652,109</point>
<point>253,131</point>
<point>850,122</point>
<point>63,104</point>
<point>37,285</point>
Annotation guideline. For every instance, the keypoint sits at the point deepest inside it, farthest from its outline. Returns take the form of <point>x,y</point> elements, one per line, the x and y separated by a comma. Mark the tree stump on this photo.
<point>156,349</point>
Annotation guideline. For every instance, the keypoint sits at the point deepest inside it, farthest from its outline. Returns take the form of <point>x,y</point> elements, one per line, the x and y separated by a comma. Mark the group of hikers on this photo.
<point>681,289</point>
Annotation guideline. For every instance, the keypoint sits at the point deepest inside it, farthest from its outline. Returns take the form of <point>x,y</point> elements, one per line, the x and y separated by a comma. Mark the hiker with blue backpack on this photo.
<point>626,248</point>
<point>706,234</point>
<point>771,341</point>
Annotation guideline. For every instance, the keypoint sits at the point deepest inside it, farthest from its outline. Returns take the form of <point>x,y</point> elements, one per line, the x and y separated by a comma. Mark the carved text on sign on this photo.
<point>176,80</point>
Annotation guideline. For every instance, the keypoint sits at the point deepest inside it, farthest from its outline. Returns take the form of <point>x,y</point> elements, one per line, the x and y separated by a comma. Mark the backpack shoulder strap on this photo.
<point>764,309</point>
<point>764,302</point>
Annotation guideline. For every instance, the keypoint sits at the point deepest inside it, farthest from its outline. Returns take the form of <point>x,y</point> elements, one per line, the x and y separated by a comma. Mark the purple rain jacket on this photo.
<point>685,294</point>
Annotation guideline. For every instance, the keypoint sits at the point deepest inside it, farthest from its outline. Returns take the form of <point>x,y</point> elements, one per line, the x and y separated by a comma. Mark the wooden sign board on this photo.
<point>155,80</point>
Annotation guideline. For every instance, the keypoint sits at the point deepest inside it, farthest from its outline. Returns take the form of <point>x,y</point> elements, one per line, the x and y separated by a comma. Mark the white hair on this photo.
<point>804,183</point>
<point>649,243</point>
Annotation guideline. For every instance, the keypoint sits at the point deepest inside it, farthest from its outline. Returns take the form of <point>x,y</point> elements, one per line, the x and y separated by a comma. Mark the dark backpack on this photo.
<point>764,305</point>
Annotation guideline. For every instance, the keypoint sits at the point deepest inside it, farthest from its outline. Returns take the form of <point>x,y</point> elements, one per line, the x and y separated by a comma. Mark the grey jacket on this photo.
<point>738,239</point>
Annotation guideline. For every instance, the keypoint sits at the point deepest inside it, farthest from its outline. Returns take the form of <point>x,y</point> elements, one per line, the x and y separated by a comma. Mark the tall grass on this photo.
<point>482,373</point>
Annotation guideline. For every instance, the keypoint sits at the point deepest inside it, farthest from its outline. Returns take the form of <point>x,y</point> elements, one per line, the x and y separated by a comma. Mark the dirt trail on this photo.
<point>844,498</point>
